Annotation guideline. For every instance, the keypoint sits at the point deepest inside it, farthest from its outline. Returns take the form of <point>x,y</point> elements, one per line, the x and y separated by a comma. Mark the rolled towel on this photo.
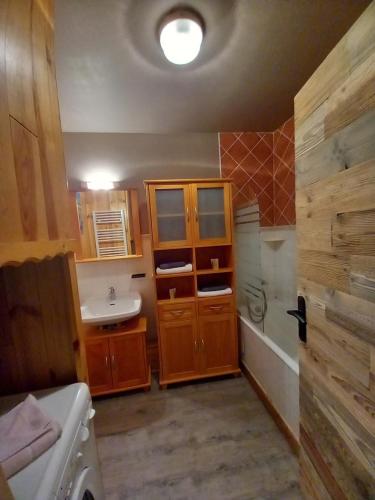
<point>227,291</point>
<point>25,433</point>
<point>213,288</point>
<point>186,269</point>
<point>171,265</point>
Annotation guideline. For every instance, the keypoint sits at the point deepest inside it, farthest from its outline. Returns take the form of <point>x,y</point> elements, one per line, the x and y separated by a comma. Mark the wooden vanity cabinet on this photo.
<point>98,365</point>
<point>197,337</point>
<point>117,360</point>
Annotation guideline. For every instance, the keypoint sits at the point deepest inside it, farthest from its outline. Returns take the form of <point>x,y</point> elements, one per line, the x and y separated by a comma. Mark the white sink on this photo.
<point>103,311</point>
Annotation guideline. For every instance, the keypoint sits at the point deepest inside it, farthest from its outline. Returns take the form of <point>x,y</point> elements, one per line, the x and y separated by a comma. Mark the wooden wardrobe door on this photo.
<point>335,200</point>
<point>218,343</point>
<point>98,365</point>
<point>211,205</point>
<point>128,360</point>
<point>179,349</point>
<point>170,215</point>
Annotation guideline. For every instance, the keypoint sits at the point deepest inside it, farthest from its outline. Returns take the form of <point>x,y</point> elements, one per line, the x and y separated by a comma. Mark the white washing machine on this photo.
<point>69,470</point>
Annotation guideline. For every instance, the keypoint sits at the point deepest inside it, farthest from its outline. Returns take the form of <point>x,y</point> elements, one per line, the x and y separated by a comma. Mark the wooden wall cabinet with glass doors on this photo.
<point>191,221</point>
<point>190,213</point>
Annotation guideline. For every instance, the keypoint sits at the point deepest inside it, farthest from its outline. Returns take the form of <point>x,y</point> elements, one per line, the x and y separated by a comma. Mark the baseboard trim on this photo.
<point>278,419</point>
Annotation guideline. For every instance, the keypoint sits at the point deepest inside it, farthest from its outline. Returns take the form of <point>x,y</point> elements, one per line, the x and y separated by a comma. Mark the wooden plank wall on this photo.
<point>34,200</point>
<point>335,201</point>
<point>37,340</point>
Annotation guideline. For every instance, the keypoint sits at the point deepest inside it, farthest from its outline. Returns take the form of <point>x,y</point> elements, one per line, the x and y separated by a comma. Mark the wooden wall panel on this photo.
<point>335,201</point>
<point>29,182</point>
<point>48,124</point>
<point>10,217</point>
<point>19,63</point>
<point>37,333</point>
<point>33,224</point>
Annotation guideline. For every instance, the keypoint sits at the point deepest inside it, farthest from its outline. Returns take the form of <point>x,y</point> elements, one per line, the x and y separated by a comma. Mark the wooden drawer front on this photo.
<point>173,312</point>
<point>217,305</point>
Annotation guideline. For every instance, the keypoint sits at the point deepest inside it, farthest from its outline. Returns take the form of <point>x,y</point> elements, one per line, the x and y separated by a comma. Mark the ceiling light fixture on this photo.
<point>181,34</point>
<point>99,181</point>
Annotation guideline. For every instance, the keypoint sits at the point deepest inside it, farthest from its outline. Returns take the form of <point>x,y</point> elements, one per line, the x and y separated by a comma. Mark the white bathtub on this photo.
<point>274,371</point>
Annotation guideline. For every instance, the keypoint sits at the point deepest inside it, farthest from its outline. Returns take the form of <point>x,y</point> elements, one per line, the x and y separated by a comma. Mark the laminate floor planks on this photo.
<point>212,440</point>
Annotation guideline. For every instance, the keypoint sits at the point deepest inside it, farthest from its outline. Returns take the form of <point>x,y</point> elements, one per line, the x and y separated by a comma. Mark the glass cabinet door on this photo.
<point>170,215</point>
<point>212,223</point>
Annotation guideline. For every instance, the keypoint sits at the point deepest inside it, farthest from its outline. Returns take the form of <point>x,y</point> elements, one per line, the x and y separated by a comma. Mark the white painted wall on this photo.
<point>95,278</point>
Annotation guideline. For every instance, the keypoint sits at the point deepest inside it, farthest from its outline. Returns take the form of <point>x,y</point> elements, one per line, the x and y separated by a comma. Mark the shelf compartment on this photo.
<point>173,275</point>
<point>203,256</point>
<point>215,271</point>
<point>180,300</point>
<point>173,255</point>
<point>214,279</point>
<point>184,286</point>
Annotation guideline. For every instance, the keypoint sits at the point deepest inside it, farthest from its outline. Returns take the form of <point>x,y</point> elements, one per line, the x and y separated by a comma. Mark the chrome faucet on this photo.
<point>112,293</point>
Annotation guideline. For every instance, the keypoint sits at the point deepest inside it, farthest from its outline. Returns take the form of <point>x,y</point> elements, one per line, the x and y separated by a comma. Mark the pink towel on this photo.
<point>25,433</point>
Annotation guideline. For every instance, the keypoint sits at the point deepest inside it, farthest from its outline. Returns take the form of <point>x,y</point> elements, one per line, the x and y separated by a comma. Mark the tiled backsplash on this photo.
<point>261,165</point>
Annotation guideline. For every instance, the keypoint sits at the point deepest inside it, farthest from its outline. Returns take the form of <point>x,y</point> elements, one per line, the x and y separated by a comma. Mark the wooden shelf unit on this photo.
<point>197,337</point>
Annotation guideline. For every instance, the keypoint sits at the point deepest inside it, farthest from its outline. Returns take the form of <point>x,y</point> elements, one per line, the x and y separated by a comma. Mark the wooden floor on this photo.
<point>210,441</point>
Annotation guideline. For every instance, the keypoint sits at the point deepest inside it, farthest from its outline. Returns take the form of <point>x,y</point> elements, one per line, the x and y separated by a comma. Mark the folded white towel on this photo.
<point>25,433</point>
<point>186,269</point>
<point>226,291</point>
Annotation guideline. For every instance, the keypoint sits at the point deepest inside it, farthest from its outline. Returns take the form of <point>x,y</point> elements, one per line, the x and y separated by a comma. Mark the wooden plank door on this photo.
<point>98,365</point>
<point>128,360</point>
<point>170,215</point>
<point>335,201</point>
<point>211,204</point>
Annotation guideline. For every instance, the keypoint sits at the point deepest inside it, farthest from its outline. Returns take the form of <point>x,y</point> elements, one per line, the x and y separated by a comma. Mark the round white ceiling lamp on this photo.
<point>181,33</point>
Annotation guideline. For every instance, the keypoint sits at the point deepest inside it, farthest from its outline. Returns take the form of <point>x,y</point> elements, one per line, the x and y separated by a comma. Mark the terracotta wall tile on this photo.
<point>284,174</point>
<point>261,165</point>
<point>253,175</point>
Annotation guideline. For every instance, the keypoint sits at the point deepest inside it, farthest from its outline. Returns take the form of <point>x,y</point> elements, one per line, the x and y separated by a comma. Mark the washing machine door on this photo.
<point>85,487</point>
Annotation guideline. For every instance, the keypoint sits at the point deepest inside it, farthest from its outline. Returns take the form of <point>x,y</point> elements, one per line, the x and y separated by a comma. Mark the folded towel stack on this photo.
<point>171,265</point>
<point>186,268</point>
<point>25,433</point>
<point>213,288</point>
<point>214,291</point>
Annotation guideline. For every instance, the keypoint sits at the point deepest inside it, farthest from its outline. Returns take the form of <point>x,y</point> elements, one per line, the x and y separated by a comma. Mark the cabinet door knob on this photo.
<point>196,214</point>
<point>202,342</point>
<point>196,345</point>
<point>113,360</point>
<point>187,214</point>
<point>106,361</point>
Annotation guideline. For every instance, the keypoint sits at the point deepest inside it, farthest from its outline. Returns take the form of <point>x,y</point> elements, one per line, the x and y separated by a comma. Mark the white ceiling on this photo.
<point>256,55</point>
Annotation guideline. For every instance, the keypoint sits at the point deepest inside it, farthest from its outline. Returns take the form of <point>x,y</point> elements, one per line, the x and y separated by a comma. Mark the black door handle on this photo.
<point>300,315</point>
